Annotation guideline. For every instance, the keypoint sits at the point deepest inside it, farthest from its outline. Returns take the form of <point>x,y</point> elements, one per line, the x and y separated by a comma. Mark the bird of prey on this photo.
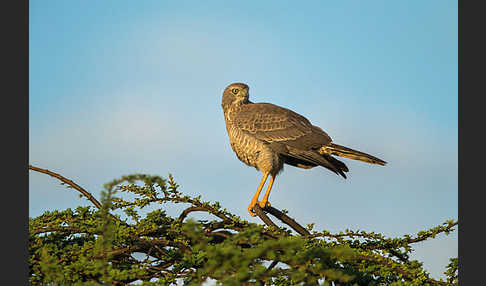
<point>267,136</point>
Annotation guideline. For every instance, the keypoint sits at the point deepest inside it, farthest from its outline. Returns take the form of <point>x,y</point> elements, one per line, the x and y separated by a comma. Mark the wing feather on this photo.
<point>272,123</point>
<point>287,133</point>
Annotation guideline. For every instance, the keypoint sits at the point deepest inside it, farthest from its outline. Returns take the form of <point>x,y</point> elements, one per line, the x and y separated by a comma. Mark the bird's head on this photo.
<point>235,93</point>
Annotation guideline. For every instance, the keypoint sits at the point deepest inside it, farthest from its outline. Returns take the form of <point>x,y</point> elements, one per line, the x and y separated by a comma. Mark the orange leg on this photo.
<point>265,202</point>
<point>254,201</point>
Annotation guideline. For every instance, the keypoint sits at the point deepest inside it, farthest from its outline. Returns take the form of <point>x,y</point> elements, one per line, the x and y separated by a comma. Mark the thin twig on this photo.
<point>56,229</point>
<point>272,265</point>
<point>191,209</point>
<point>69,182</point>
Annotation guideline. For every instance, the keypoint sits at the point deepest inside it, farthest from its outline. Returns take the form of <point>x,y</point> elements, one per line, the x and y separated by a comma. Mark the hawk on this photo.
<point>267,136</point>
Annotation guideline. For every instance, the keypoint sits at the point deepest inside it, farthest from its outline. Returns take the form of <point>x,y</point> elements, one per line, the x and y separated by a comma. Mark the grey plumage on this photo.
<point>267,136</point>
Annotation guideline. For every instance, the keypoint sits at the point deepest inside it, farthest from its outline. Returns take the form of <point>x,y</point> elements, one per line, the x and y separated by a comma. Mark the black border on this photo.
<point>14,116</point>
<point>470,135</point>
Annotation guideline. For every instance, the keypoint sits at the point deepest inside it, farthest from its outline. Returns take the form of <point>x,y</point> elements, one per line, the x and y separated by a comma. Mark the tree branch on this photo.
<point>259,212</point>
<point>287,220</point>
<point>69,182</point>
<point>281,216</point>
<point>183,215</point>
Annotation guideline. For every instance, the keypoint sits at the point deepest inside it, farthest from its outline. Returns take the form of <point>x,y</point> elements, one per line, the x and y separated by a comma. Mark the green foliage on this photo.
<point>126,241</point>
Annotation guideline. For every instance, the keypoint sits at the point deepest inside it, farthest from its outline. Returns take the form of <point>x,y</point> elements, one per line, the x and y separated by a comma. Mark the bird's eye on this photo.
<point>235,90</point>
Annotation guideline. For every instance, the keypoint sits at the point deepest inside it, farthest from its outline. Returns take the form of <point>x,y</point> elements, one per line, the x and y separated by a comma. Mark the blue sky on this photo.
<point>121,87</point>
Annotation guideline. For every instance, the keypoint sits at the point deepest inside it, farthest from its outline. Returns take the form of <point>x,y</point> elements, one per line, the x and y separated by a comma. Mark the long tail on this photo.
<point>345,152</point>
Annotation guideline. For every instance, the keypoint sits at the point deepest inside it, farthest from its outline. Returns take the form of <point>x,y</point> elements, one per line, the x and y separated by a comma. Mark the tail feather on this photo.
<point>345,152</point>
<point>340,166</point>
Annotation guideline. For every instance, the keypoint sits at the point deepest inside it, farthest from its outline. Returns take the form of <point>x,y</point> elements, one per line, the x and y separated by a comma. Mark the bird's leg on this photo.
<point>254,200</point>
<point>265,202</point>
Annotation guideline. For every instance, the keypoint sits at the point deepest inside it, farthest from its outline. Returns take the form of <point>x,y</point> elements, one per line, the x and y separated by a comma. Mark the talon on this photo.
<point>250,209</point>
<point>264,204</point>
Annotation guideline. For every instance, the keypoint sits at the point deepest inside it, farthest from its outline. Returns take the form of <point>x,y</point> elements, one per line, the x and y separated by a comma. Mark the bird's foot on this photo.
<point>250,208</point>
<point>264,204</point>
<point>261,204</point>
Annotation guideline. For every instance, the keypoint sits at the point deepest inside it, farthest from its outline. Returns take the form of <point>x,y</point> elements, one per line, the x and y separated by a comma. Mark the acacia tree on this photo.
<point>120,241</point>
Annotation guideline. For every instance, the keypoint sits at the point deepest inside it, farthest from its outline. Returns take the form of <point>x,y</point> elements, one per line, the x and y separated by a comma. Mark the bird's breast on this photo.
<point>253,152</point>
<point>246,148</point>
